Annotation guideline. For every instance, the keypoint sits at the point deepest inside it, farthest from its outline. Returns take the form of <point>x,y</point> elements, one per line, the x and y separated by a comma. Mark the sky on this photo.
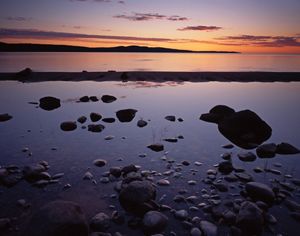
<point>252,26</point>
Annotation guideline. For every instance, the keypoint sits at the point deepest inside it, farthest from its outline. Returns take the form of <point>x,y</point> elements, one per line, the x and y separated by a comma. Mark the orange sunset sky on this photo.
<point>258,26</point>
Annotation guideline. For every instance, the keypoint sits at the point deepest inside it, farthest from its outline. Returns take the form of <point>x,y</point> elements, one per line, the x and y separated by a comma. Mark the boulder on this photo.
<point>49,103</point>
<point>96,128</point>
<point>126,115</point>
<point>250,219</point>
<point>58,218</point>
<point>68,125</point>
<point>286,148</point>
<point>95,116</point>
<point>137,197</point>
<point>208,228</point>
<point>5,117</point>
<point>245,129</point>
<point>108,98</point>
<point>154,222</point>
<point>100,222</point>
<point>267,150</point>
<point>217,113</point>
<point>260,192</point>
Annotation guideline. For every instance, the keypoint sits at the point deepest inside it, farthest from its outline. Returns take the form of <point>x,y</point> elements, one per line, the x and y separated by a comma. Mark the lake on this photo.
<point>73,153</point>
<point>76,61</point>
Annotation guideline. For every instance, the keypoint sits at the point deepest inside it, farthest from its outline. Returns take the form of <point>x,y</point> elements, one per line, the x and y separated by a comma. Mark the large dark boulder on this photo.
<point>58,218</point>
<point>126,115</point>
<point>260,192</point>
<point>286,148</point>
<point>108,98</point>
<point>68,126</point>
<point>137,197</point>
<point>267,150</point>
<point>49,103</point>
<point>217,113</point>
<point>245,129</point>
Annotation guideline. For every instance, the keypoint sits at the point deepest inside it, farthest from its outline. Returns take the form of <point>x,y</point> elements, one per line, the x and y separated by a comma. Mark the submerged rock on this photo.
<point>5,117</point>
<point>157,147</point>
<point>126,115</point>
<point>286,148</point>
<point>96,128</point>
<point>108,98</point>
<point>266,150</point>
<point>154,222</point>
<point>247,156</point>
<point>217,113</point>
<point>49,103</point>
<point>68,125</point>
<point>137,197</point>
<point>260,192</point>
<point>61,218</point>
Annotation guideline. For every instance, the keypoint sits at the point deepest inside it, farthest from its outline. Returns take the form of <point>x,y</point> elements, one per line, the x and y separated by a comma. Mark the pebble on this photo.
<point>192,182</point>
<point>88,176</point>
<point>104,180</point>
<point>99,162</point>
<point>181,214</point>
<point>163,182</point>
<point>109,137</point>
<point>197,163</point>
<point>228,146</point>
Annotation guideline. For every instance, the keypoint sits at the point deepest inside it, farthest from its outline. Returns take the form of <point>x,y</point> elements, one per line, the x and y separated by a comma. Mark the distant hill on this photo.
<point>24,47</point>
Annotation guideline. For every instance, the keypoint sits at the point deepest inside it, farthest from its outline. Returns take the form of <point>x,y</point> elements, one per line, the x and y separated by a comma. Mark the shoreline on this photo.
<point>152,76</point>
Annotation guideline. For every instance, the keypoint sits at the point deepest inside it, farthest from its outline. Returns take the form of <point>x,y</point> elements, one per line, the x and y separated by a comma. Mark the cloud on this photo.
<point>150,16</point>
<point>200,28</point>
<point>17,18</point>
<point>261,41</point>
<point>40,34</point>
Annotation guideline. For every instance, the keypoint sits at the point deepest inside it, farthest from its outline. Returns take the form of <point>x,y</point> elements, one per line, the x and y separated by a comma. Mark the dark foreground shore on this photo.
<point>29,76</point>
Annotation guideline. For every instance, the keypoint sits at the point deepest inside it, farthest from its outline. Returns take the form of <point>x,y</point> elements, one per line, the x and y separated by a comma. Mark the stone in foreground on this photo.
<point>49,103</point>
<point>126,115</point>
<point>260,192</point>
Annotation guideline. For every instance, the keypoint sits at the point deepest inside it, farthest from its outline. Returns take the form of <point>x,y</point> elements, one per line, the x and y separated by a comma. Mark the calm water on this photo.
<point>12,62</point>
<point>276,103</point>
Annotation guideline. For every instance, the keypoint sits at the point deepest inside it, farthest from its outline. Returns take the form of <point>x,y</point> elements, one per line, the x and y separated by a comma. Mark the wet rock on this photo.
<point>170,118</point>
<point>221,187</point>
<point>226,156</point>
<point>225,167</point>
<point>260,192</point>
<point>180,119</point>
<point>163,182</point>
<point>109,137</point>
<point>58,176</point>
<point>126,115</point>
<point>270,219</point>
<point>115,171</point>
<point>68,126</point>
<point>33,172</point>
<point>109,120</point>
<point>100,222</point>
<point>88,176</point>
<point>266,150</point>
<point>84,99</point>
<point>82,119</point>
<point>137,197</point>
<point>286,148</point>
<point>154,222</point>
<point>58,218</point>
<point>217,113</point>
<point>296,181</point>
<point>108,98</point>
<point>99,162</point>
<point>95,117</point>
<point>93,98</point>
<point>157,147</point>
<point>245,129</point>
<point>181,214</point>
<point>292,205</point>
<point>228,146</point>
<point>49,103</point>
<point>141,123</point>
<point>230,178</point>
<point>244,177</point>
<point>250,219</point>
<point>5,117</point>
<point>192,182</point>
<point>247,156</point>
<point>195,232</point>
<point>96,128</point>
<point>185,163</point>
<point>171,140</point>
<point>208,228</point>
<point>258,170</point>
<point>229,217</point>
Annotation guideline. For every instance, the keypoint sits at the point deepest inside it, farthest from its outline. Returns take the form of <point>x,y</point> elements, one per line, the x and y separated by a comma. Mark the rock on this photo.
<point>181,214</point>
<point>221,187</point>
<point>58,218</point>
<point>49,103</point>
<point>244,177</point>
<point>100,162</point>
<point>260,192</point>
<point>286,148</point>
<point>195,232</point>
<point>270,219</point>
<point>95,117</point>
<point>108,98</point>
<point>157,147</point>
<point>141,123</point>
<point>5,117</point>
<point>104,180</point>
<point>33,172</point>
<point>109,120</point>
<point>126,115</point>
<point>96,128</point>
<point>24,73</point>
<point>292,205</point>
<point>226,156</point>
<point>154,222</point>
<point>68,126</point>
<point>163,182</point>
<point>296,181</point>
<point>171,140</point>
<point>228,146</point>
<point>84,99</point>
<point>266,150</point>
<point>217,113</point>
<point>185,163</point>
<point>5,224</point>
<point>225,167</point>
<point>180,119</point>
<point>88,176</point>
<point>82,119</point>
<point>93,98</point>
<point>245,129</point>
<point>109,137</point>
<point>137,197</point>
<point>170,118</point>
<point>130,168</point>
<point>208,228</point>
<point>247,156</point>
<point>229,217</point>
<point>100,222</point>
<point>250,219</point>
